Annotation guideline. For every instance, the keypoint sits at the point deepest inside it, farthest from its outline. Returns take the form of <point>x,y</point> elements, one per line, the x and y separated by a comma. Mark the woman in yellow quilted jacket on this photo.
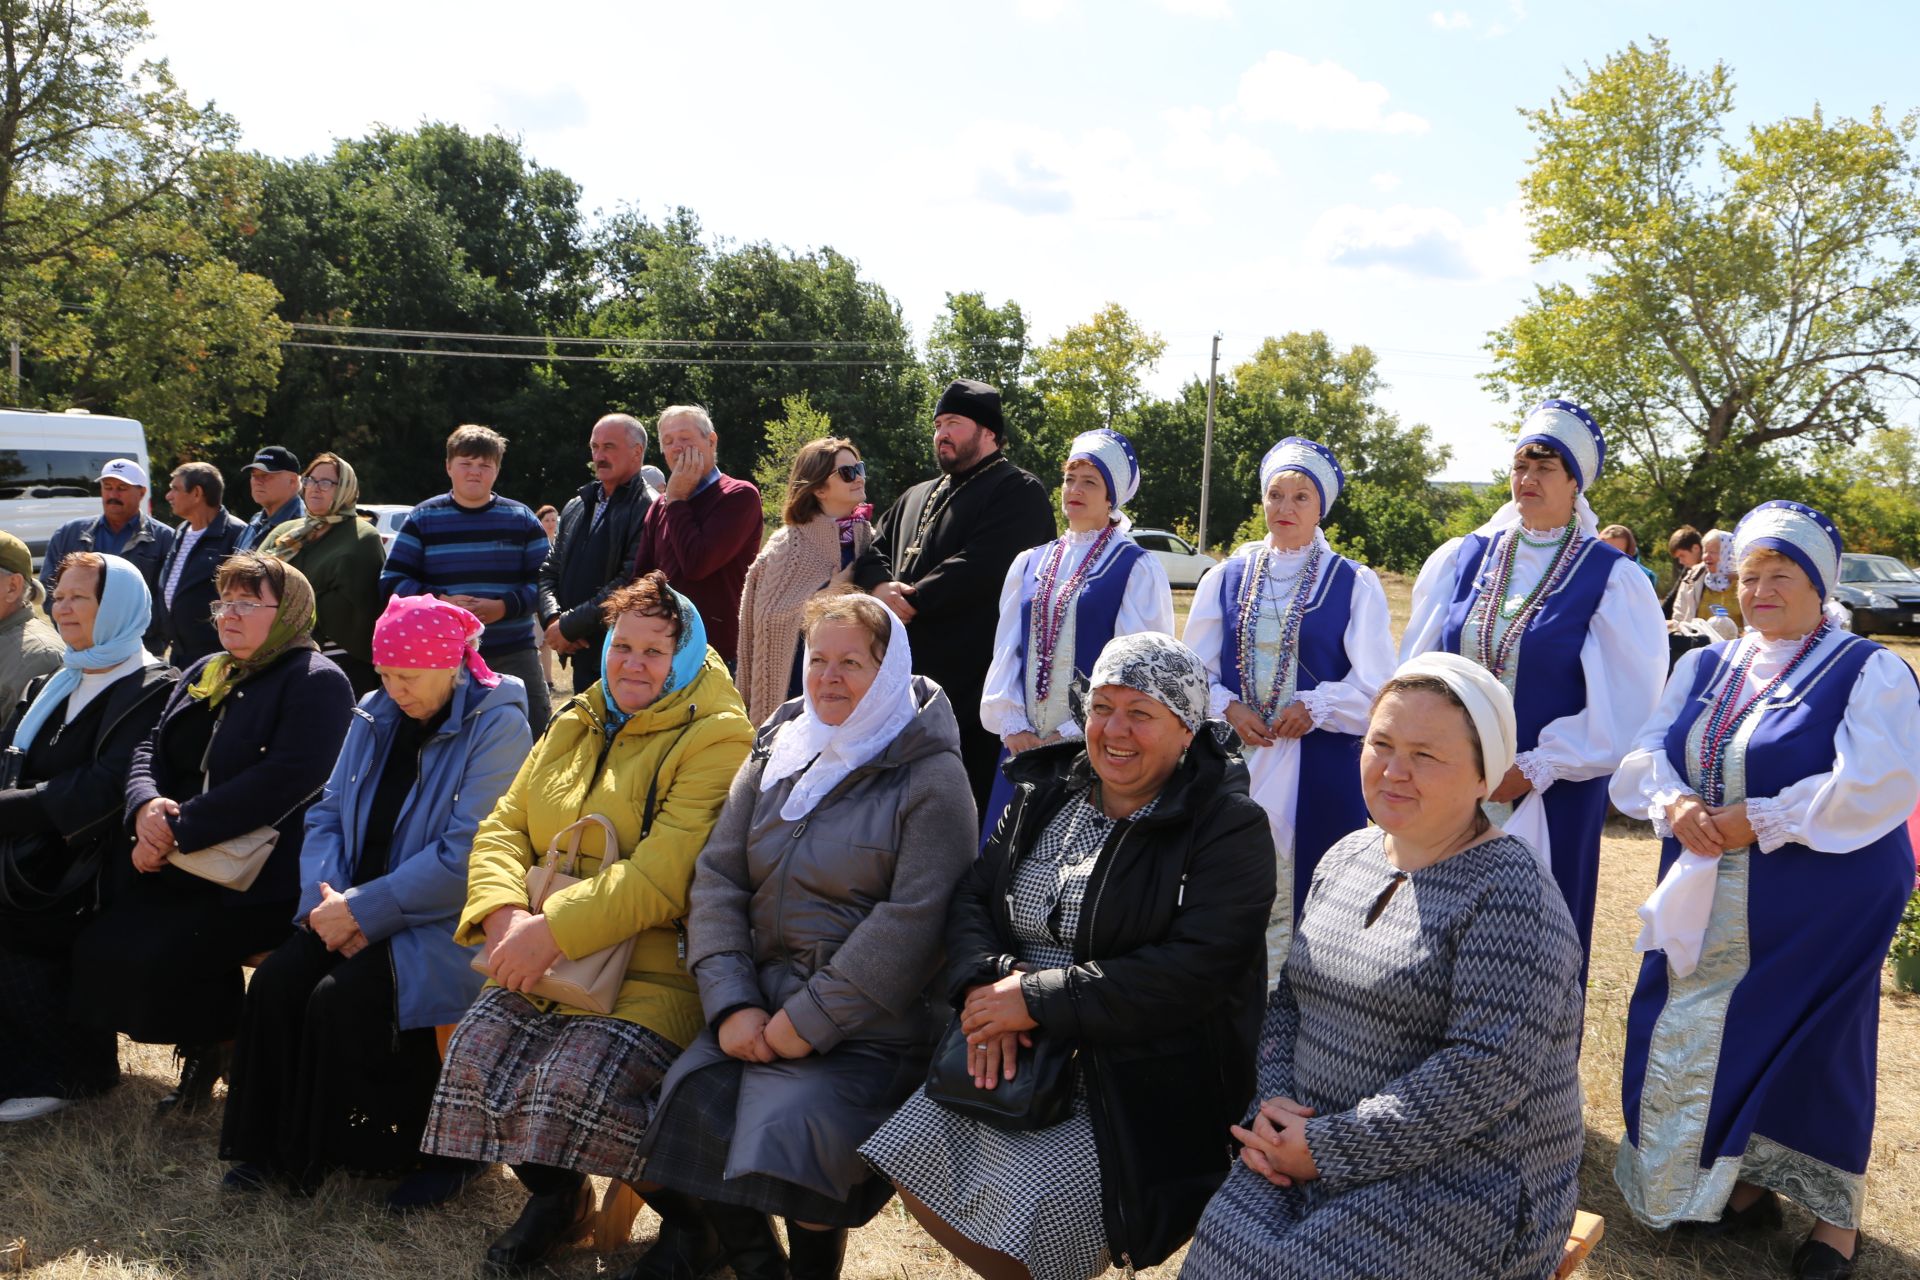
<point>560,1092</point>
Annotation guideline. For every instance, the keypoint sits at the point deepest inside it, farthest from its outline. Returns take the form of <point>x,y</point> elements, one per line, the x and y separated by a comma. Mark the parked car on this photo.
<point>1176,555</point>
<point>386,519</point>
<point>50,468</point>
<point>1879,594</point>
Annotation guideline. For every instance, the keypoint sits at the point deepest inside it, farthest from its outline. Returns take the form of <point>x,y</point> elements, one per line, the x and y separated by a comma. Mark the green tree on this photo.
<point>1744,301</point>
<point>971,339</point>
<point>1089,377</point>
<point>780,443</point>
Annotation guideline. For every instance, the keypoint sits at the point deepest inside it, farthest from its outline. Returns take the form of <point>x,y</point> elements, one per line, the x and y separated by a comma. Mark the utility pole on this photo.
<point>14,362</point>
<point>1206,455</point>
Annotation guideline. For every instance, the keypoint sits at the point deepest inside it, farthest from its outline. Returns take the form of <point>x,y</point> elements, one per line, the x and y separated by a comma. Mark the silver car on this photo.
<point>386,519</point>
<point>1184,564</point>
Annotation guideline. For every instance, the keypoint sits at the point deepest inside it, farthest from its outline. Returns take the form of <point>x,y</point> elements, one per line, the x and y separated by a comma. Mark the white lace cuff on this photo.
<point>1068,732</point>
<point>1219,698</point>
<point>1772,825</point>
<point>1537,768</point>
<point>1013,723</point>
<point>1657,808</point>
<point>1318,705</point>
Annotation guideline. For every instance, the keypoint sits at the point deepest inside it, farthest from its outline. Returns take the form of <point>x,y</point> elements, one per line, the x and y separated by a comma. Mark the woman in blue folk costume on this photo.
<point>1573,630</point>
<point>1063,600</point>
<point>1779,769</point>
<point>1296,642</point>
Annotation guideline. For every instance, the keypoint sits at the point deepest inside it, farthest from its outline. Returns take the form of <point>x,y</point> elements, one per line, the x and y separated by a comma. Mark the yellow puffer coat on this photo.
<point>694,739</point>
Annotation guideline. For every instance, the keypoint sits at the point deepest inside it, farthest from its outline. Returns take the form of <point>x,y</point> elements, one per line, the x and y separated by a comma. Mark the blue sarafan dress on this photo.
<point>1759,1064</point>
<point>1576,636</point>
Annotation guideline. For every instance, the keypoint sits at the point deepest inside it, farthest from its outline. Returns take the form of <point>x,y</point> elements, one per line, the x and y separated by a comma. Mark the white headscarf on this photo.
<point>824,754</point>
<point>1487,701</point>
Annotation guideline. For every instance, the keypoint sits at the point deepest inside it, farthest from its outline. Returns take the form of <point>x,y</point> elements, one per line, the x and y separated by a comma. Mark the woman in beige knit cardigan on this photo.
<point>825,525</point>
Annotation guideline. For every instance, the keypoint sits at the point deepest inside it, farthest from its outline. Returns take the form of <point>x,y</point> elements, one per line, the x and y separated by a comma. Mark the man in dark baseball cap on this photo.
<point>273,477</point>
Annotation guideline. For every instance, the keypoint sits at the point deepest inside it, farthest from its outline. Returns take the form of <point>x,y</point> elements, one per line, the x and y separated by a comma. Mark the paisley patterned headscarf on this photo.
<point>316,524</point>
<point>1158,666</point>
<point>292,629</point>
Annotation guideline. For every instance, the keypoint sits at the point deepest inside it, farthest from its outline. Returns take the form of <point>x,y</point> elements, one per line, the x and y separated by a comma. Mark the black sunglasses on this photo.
<point>852,471</point>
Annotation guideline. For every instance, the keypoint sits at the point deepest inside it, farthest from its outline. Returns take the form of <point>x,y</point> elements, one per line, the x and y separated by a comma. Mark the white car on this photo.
<point>386,519</point>
<point>1176,555</point>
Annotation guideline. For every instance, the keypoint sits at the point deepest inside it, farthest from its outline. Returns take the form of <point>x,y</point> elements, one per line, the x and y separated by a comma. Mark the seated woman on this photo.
<point>825,525</point>
<point>815,931</point>
<point>1420,1060</point>
<point>1122,905</point>
<point>337,1060</point>
<point>1785,763</point>
<point>341,555</point>
<point>246,740</point>
<point>61,782</point>
<point>556,1091</point>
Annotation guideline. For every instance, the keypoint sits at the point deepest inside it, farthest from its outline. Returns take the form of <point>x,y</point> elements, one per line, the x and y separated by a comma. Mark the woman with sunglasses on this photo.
<point>826,524</point>
<point>340,554</point>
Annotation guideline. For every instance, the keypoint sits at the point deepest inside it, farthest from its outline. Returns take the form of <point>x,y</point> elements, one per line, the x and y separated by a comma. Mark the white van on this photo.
<point>50,468</point>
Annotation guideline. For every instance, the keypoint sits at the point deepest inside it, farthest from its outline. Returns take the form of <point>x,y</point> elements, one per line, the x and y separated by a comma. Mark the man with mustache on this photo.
<point>121,529</point>
<point>940,555</point>
<point>599,534</point>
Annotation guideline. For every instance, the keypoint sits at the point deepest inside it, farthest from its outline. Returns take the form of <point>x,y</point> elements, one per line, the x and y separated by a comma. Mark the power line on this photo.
<point>557,340</point>
<point>546,357</point>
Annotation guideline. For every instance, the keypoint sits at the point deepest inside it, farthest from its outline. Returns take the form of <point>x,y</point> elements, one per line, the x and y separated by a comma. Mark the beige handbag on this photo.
<point>592,982</point>
<point>233,863</point>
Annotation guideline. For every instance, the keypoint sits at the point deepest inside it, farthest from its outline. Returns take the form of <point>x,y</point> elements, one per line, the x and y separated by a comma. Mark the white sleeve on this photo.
<point>1003,700</point>
<point>1431,595</point>
<point>1344,705</point>
<point>1147,604</point>
<point>1646,781</point>
<point>1872,787</point>
<point>1622,661</point>
<point>1206,626</point>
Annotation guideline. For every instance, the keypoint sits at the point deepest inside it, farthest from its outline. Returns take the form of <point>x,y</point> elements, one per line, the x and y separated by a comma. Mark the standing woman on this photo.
<point>1569,626</point>
<point>340,555</point>
<point>59,808</point>
<point>826,523</point>
<point>246,740</point>
<point>1063,600</point>
<point>1296,642</point>
<point>1781,767</point>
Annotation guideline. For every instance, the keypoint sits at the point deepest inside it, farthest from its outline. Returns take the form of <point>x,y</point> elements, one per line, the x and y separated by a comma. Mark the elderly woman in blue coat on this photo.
<point>337,1058</point>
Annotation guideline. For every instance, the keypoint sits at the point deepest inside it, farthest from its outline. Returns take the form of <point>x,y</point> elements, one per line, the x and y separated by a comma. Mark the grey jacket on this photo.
<point>28,648</point>
<point>839,919</point>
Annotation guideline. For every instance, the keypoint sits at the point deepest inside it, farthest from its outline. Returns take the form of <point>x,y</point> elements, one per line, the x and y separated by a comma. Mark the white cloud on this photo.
<point>1192,145</point>
<point>1455,21</point>
<point>1043,10</point>
<point>1096,176</point>
<point>1198,8</point>
<point>1286,88</point>
<point>1424,241</point>
<point>1384,181</point>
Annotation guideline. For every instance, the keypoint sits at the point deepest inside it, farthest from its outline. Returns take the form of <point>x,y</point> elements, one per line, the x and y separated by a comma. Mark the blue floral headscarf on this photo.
<point>689,656</point>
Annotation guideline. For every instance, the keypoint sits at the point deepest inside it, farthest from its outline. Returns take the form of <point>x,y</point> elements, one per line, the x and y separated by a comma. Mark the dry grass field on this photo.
<point>105,1192</point>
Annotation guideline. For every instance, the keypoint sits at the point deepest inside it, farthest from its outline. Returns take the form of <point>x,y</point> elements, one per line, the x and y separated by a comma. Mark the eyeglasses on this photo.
<point>851,472</point>
<point>315,482</point>
<point>240,609</point>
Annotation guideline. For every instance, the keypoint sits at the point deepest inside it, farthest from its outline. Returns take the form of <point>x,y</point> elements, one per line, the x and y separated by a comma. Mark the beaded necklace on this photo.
<point>1492,603</point>
<point>1725,719</point>
<point>1053,598</point>
<point>1252,599</point>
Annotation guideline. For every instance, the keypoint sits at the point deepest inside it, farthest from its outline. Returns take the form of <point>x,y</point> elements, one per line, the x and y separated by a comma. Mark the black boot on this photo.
<point>815,1255</point>
<point>687,1247</point>
<point>752,1250</point>
<point>549,1221</point>
<point>200,1066</point>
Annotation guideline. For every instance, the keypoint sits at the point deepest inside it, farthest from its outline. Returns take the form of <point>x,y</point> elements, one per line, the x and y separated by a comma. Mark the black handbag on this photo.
<point>1039,1095</point>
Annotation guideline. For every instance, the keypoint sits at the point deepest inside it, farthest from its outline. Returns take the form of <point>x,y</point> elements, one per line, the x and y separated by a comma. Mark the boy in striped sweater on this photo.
<point>473,548</point>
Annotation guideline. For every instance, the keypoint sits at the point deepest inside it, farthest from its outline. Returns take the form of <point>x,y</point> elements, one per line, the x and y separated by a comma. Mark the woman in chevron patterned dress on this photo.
<point>1418,1109</point>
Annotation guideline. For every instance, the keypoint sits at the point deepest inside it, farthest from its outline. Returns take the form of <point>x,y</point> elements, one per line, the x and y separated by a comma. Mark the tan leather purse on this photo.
<point>592,982</point>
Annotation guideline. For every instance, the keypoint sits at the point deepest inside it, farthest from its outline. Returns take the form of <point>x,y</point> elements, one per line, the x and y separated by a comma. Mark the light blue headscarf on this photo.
<point>126,610</point>
<point>689,656</point>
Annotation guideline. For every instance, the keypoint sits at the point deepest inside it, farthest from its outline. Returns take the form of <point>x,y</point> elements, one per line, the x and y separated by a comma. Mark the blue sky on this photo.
<point>1210,164</point>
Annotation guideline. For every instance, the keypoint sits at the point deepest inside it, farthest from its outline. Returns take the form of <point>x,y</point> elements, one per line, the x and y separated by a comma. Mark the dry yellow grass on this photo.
<point>105,1192</point>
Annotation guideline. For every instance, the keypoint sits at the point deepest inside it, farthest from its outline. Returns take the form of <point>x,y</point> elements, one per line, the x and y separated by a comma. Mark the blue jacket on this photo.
<point>464,769</point>
<point>146,549</point>
<point>186,622</point>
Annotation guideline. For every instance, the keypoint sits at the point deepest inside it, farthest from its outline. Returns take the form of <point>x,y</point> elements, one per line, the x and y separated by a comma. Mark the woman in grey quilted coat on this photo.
<point>1419,1063</point>
<point>816,926</point>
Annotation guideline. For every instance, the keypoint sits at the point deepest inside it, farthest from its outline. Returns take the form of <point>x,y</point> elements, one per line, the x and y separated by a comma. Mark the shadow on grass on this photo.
<point>1630,1249</point>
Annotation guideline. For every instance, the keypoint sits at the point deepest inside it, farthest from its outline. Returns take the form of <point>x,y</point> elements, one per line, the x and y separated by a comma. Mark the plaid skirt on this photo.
<point>573,1091</point>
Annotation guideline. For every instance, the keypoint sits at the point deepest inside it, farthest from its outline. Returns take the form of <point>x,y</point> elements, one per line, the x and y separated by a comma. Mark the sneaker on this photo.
<point>14,1110</point>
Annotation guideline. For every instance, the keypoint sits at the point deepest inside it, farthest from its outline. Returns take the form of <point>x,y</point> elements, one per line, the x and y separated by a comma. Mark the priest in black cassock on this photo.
<point>940,555</point>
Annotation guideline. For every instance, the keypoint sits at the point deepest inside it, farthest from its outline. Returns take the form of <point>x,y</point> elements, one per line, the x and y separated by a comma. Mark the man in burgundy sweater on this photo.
<point>704,530</point>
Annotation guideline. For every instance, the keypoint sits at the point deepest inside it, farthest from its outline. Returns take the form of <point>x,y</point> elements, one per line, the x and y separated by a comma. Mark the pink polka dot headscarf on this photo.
<point>420,631</point>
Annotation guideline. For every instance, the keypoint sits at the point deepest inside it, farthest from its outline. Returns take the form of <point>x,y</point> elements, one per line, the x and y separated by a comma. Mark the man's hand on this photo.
<point>558,642</point>
<point>688,465</point>
<point>897,596</point>
<point>487,610</point>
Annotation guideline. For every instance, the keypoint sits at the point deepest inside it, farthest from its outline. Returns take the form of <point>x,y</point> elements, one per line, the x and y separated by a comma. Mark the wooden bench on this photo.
<point>1587,1230</point>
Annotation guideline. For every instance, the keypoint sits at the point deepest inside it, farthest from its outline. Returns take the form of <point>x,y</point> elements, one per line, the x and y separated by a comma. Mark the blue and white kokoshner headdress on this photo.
<point>1314,459</point>
<point>1802,534</point>
<point>1571,432</point>
<point>1112,456</point>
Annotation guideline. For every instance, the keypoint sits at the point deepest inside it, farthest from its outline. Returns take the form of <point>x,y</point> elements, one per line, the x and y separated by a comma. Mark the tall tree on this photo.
<point>971,339</point>
<point>1745,300</point>
<point>1089,377</point>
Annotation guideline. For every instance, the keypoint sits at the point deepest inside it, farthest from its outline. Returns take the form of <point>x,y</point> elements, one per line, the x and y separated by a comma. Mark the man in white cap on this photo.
<point>121,529</point>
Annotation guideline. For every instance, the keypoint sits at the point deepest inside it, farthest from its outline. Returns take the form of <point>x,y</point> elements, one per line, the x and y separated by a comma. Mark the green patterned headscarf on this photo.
<point>292,629</point>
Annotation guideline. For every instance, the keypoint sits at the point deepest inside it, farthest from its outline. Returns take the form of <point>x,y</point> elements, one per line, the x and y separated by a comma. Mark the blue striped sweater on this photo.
<point>493,551</point>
